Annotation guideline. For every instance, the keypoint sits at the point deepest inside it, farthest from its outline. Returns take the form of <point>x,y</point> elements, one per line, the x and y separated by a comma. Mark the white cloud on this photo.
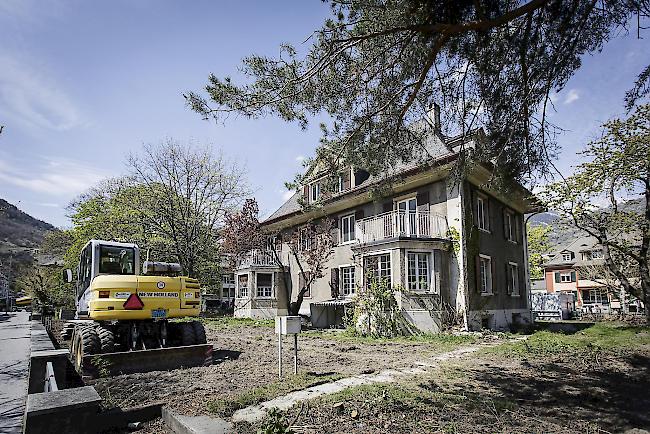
<point>300,158</point>
<point>54,176</point>
<point>571,96</point>
<point>30,98</point>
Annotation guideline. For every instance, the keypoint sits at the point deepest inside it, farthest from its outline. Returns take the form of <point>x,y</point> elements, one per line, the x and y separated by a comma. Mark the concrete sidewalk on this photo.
<point>14,369</point>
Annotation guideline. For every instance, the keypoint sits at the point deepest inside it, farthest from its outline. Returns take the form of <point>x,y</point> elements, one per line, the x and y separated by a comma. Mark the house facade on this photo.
<point>573,270</point>
<point>454,250</point>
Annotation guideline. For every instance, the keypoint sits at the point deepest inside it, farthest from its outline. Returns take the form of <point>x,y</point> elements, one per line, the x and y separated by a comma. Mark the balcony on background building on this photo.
<point>259,258</point>
<point>401,224</point>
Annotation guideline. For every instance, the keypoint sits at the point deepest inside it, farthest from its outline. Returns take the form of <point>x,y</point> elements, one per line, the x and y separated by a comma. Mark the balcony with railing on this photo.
<point>259,258</point>
<point>401,224</point>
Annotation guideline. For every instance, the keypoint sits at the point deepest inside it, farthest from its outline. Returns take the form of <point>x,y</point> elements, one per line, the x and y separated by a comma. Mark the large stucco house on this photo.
<point>447,245</point>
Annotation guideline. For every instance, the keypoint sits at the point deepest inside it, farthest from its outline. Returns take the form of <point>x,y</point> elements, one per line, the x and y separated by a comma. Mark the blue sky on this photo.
<point>84,83</point>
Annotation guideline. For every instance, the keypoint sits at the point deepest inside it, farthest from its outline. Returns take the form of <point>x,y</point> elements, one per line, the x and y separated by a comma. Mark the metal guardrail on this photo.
<point>50,379</point>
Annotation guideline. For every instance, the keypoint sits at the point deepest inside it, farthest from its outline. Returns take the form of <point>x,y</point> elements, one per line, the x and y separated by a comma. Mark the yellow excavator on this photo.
<point>121,308</point>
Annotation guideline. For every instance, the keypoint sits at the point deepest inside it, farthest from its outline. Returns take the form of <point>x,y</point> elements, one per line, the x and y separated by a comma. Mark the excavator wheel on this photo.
<point>66,331</point>
<point>86,342</point>
<point>199,332</point>
<point>188,335</point>
<point>106,339</point>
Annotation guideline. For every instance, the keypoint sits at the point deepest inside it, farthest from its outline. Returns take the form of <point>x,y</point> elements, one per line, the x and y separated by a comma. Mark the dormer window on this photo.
<point>566,257</point>
<point>314,192</point>
<point>597,254</point>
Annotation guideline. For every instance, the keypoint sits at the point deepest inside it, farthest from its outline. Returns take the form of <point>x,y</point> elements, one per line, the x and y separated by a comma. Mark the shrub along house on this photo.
<point>454,250</point>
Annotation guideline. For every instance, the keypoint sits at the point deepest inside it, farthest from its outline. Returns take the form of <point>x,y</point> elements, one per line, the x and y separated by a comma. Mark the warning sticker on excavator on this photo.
<point>158,294</point>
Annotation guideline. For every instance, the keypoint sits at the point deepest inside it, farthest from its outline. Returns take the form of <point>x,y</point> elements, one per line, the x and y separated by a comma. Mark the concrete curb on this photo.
<point>195,424</point>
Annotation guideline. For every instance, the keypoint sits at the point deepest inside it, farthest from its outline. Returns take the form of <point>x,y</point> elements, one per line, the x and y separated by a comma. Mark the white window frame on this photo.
<point>271,289</point>
<point>510,224</point>
<point>565,255</point>
<point>240,293</point>
<point>379,269</point>
<point>314,192</point>
<point>351,289</point>
<point>482,218</point>
<point>513,270</point>
<point>564,275</point>
<point>486,277</point>
<point>429,260</point>
<point>598,256</point>
<point>352,222</point>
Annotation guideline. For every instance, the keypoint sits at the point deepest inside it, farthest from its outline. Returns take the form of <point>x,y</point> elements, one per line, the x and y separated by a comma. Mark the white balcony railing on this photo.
<point>259,258</point>
<point>395,224</point>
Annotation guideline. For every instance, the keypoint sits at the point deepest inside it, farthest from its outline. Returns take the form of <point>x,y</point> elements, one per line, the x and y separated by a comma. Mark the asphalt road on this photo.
<point>14,363</point>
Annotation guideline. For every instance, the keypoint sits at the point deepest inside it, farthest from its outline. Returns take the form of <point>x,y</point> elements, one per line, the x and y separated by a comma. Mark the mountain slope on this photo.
<point>20,229</point>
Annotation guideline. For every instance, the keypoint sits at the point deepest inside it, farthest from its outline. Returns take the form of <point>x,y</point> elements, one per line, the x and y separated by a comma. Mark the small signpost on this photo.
<point>287,325</point>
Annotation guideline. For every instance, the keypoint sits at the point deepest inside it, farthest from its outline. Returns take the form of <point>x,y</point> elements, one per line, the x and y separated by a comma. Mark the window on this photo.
<point>594,296</point>
<point>348,285</point>
<point>510,228</point>
<point>512,275</point>
<point>485,277</point>
<point>565,277</point>
<point>228,279</point>
<point>243,285</point>
<point>482,217</point>
<point>306,239</point>
<point>347,228</point>
<point>419,271</point>
<point>597,254</point>
<point>314,192</point>
<point>116,260</point>
<point>264,285</point>
<point>567,256</point>
<point>377,268</point>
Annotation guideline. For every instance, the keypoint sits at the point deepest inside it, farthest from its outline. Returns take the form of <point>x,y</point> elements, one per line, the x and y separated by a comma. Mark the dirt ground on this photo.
<point>602,391</point>
<point>491,394</point>
<point>245,357</point>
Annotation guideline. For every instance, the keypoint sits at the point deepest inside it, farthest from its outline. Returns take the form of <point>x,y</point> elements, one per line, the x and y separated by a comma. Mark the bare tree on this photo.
<point>187,193</point>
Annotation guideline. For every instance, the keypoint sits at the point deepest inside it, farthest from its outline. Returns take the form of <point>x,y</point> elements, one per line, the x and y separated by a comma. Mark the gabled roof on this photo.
<point>435,148</point>
<point>577,246</point>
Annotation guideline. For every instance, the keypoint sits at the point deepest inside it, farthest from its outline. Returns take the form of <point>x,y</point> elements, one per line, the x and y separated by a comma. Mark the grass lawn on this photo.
<point>602,337</point>
<point>224,322</point>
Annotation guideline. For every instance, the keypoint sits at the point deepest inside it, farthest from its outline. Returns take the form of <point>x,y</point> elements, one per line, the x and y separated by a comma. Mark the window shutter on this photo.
<point>573,276</point>
<point>305,193</point>
<point>335,233</point>
<point>422,201</point>
<point>334,282</point>
<point>573,255</point>
<point>437,269</point>
<point>557,277</point>
<point>493,263</point>
<point>478,273</point>
<point>387,206</point>
<point>358,214</point>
